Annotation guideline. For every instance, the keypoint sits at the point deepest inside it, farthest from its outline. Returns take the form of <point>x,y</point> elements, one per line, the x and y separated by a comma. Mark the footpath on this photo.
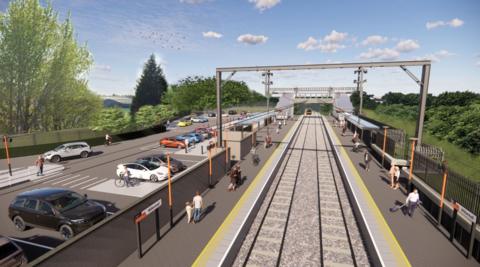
<point>181,245</point>
<point>420,240</point>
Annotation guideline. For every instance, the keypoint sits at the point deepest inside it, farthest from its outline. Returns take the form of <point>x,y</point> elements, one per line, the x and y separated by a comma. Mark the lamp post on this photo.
<point>359,81</point>
<point>267,83</point>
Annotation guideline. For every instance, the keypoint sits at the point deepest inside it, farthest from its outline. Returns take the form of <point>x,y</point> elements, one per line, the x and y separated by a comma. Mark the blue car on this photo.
<point>191,139</point>
<point>195,137</point>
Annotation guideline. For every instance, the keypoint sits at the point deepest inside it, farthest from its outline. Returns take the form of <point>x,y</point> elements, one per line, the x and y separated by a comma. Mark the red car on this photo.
<point>171,142</point>
<point>206,132</point>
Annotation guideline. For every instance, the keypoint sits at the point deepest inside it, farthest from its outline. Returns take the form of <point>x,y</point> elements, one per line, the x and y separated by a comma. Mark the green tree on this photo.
<point>148,116</point>
<point>42,70</point>
<point>150,87</point>
<point>112,120</point>
<point>368,101</point>
<point>456,98</point>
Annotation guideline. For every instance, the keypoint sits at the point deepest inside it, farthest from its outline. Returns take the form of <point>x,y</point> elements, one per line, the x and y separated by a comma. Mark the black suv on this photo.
<point>55,208</point>
<point>161,160</point>
<point>232,112</point>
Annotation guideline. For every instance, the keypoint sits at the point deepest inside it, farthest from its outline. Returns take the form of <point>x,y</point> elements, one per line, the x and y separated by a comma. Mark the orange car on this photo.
<point>171,142</point>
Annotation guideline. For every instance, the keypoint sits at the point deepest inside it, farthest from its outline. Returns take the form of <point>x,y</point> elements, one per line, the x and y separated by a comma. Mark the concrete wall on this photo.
<point>109,242</point>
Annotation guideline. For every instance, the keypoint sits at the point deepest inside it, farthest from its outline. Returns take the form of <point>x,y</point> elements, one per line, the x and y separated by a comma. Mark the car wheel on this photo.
<point>56,158</point>
<point>66,232</point>
<point>84,154</point>
<point>153,178</point>
<point>19,223</point>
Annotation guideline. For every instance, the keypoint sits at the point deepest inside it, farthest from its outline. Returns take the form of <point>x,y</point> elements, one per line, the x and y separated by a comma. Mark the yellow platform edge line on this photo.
<point>208,250</point>
<point>395,247</point>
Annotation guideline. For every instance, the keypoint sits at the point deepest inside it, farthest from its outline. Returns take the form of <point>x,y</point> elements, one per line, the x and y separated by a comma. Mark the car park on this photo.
<point>55,208</point>
<point>182,137</point>
<point>199,119</point>
<point>144,170</point>
<point>11,255</point>
<point>161,160</point>
<point>171,142</point>
<point>76,149</point>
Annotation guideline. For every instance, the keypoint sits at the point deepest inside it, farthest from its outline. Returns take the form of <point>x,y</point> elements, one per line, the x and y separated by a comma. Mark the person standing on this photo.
<point>39,163</point>
<point>188,209</point>
<point>197,207</point>
<point>397,177</point>
<point>367,159</point>
<point>186,145</point>
<point>412,202</point>
<point>392,175</point>
<point>344,130</point>
<point>126,176</point>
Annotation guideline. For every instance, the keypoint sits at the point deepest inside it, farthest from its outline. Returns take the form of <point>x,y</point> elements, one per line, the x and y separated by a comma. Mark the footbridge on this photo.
<point>312,94</point>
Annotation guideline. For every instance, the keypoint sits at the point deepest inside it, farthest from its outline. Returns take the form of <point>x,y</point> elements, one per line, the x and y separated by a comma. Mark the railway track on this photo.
<point>306,218</point>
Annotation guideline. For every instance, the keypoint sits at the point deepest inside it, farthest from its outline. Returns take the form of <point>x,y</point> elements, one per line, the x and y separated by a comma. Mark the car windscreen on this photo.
<point>59,148</point>
<point>7,250</point>
<point>66,201</point>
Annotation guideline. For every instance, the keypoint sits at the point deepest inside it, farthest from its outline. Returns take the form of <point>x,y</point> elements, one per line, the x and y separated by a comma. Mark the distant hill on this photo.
<point>117,101</point>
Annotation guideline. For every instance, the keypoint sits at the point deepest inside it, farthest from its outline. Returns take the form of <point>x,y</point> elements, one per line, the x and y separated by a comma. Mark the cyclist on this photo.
<point>108,139</point>
<point>126,176</point>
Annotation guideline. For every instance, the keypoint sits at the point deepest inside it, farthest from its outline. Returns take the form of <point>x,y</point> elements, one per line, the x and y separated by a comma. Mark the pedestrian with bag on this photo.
<point>412,201</point>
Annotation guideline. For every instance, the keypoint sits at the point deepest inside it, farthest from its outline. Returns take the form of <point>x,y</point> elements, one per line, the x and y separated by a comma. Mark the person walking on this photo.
<point>344,130</point>
<point>189,209</point>
<point>367,159</point>
<point>39,163</point>
<point>397,178</point>
<point>186,145</point>
<point>412,202</point>
<point>392,175</point>
<point>197,207</point>
<point>108,139</point>
<point>233,181</point>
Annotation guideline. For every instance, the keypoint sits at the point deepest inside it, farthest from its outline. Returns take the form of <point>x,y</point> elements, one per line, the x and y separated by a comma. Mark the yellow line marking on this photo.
<point>392,241</point>
<point>208,250</point>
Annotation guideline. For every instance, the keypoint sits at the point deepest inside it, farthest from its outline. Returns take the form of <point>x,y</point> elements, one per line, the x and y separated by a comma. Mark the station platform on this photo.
<point>182,244</point>
<point>421,243</point>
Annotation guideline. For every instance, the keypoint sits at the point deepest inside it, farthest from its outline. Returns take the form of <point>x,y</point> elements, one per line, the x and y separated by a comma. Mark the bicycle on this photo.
<point>121,181</point>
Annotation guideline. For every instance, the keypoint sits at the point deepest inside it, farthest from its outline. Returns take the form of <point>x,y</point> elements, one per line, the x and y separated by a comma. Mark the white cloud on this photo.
<point>212,34</point>
<point>329,44</point>
<point>374,40</point>
<point>193,2</point>
<point>455,23</point>
<point>407,46</point>
<point>252,39</point>
<point>437,56</point>
<point>385,54</point>
<point>264,4</point>
<point>335,37</point>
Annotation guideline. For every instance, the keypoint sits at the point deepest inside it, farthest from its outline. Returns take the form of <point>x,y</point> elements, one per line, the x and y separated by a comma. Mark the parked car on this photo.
<point>161,160</point>
<point>225,115</point>
<point>232,112</point>
<point>171,142</point>
<point>199,119</point>
<point>144,170</point>
<point>196,136</point>
<point>205,132</point>
<point>212,114</point>
<point>67,150</point>
<point>55,208</point>
<point>184,123</point>
<point>182,137</point>
<point>11,255</point>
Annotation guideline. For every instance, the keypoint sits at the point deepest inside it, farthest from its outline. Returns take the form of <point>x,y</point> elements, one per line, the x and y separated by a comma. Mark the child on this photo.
<point>188,209</point>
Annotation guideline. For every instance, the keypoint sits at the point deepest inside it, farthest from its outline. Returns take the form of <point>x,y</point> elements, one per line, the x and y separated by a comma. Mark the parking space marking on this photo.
<point>67,179</point>
<point>139,190</point>
<point>76,180</point>
<point>30,243</point>
<point>57,178</point>
<point>94,183</point>
<point>84,182</point>
<point>46,177</point>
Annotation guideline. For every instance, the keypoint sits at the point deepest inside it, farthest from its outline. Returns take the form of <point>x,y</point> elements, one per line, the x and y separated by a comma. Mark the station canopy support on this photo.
<point>424,82</point>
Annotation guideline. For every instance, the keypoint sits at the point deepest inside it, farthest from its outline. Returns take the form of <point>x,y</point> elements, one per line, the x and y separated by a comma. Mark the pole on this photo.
<point>412,155</point>
<point>423,101</point>
<point>5,142</point>
<point>170,202</point>
<point>219,106</point>
<point>210,168</point>
<point>226,154</point>
<point>267,83</point>
<point>384,143</point>
<point>139,240</point>
<point>444,185</point>
<point>360,82</point>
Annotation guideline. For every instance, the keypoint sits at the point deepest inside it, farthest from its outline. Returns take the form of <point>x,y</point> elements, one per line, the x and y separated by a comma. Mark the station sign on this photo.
<point>142,215</point>
<point>468,214</point>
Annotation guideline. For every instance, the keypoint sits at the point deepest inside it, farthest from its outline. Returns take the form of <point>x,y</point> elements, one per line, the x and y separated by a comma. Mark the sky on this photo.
<point>193,37</point>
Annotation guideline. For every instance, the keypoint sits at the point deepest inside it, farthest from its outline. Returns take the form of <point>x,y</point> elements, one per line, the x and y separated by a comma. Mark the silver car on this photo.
<point>76,149</point>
